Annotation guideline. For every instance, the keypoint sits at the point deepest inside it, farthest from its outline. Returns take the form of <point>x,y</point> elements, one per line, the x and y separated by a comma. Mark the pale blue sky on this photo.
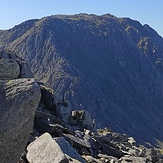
<point>149,12</point>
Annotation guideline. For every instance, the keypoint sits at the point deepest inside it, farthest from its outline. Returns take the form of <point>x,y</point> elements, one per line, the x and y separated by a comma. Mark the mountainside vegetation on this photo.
<point>110,66</point>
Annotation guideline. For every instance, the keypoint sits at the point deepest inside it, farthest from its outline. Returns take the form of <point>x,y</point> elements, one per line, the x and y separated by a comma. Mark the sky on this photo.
<point>14,12</point>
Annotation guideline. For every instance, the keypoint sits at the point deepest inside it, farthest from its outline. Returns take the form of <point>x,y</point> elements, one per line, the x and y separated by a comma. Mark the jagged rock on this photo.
<point>19,100</point>
<point>127,159</point>
<point>45,150</point>
<point>83,117</point>
<point>46,125</point>
<point>152,154</point>
<point>78,143</point>
<point>25,71</point>
<point>47,99</point>
<point>53,102</point>
<point>70,153</point>
<point>108,149</point>
<point>43,115</point>
<point>131,141</point>
<point>12,66</point>
<point>9,69</point>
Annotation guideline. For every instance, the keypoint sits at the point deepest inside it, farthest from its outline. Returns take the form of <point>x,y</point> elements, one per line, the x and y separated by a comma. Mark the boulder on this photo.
<point>12,66</point>
<point>83,117</point>
<point>111,151</point>
<point>54,103</point>
<point>77,142</point>
<point>69,152</point>
<point>19,99</point>
<point>45,150</point>
<point>9,69</point>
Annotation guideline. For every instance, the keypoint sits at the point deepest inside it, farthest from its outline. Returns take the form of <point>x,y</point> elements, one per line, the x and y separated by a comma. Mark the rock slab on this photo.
<point>45,150</point>
<point>19,99</point>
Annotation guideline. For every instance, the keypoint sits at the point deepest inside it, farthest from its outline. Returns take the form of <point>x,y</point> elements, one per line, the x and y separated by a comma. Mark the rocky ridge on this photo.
<point>59,134</point>
<point>112,67</point>
<point>62,135</point>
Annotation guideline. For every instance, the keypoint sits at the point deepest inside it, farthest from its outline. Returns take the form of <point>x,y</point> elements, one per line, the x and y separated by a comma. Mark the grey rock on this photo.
<point>84,117</point>
<point>47,99</point>
<point>9,69</point>
<point>12,66</point>
<point>90,159</point>
<point>25,71</point>
<point>70,153</point>
<point>131,141</point>
<point>78,143</point>
<point>45,150</point>
<point>109,150</point>
<point>127,159</point>
<point>44,115</point>
<point>110,158</point>
<point>19,100</point>
<point>151,153</point>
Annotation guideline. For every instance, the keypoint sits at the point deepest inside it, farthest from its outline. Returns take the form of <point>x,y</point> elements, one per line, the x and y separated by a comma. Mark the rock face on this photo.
<point>19,99</point>
<point>109,66</point>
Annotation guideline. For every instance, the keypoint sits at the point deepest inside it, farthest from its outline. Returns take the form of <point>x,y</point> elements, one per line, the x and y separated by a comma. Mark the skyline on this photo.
<point>15,12</point>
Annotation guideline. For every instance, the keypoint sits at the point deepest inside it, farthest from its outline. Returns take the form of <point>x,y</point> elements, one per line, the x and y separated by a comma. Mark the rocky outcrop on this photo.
<point>109,66</point>
<point>19,99</point>
<point>54,140</point>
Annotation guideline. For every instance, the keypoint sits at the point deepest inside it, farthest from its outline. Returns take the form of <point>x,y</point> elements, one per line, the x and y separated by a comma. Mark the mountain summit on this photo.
<point>110,66</point>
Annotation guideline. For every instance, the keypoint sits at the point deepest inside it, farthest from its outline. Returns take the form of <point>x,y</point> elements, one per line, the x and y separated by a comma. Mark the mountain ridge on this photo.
<point>110,66</point>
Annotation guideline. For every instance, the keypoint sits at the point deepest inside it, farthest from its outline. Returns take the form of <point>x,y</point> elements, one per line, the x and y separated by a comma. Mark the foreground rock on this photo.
<point>44,150</point>
<point>19,100</point>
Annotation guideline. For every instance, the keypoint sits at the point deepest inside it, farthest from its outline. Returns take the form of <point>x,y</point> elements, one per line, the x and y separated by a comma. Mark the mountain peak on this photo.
<point>110,66</point>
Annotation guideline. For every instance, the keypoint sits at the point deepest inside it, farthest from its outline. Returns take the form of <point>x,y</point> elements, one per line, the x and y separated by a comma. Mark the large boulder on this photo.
<point>44,149</point>
<point>19,99</point>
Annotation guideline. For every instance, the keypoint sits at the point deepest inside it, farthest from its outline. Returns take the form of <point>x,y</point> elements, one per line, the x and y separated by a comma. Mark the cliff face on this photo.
<point>110,66</point>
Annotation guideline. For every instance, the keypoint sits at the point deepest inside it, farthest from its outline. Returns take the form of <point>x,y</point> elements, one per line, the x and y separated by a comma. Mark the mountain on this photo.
<point>110,66</point>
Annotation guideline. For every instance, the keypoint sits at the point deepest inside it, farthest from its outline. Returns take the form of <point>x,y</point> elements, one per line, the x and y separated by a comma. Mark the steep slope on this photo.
<point>109,66</point>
